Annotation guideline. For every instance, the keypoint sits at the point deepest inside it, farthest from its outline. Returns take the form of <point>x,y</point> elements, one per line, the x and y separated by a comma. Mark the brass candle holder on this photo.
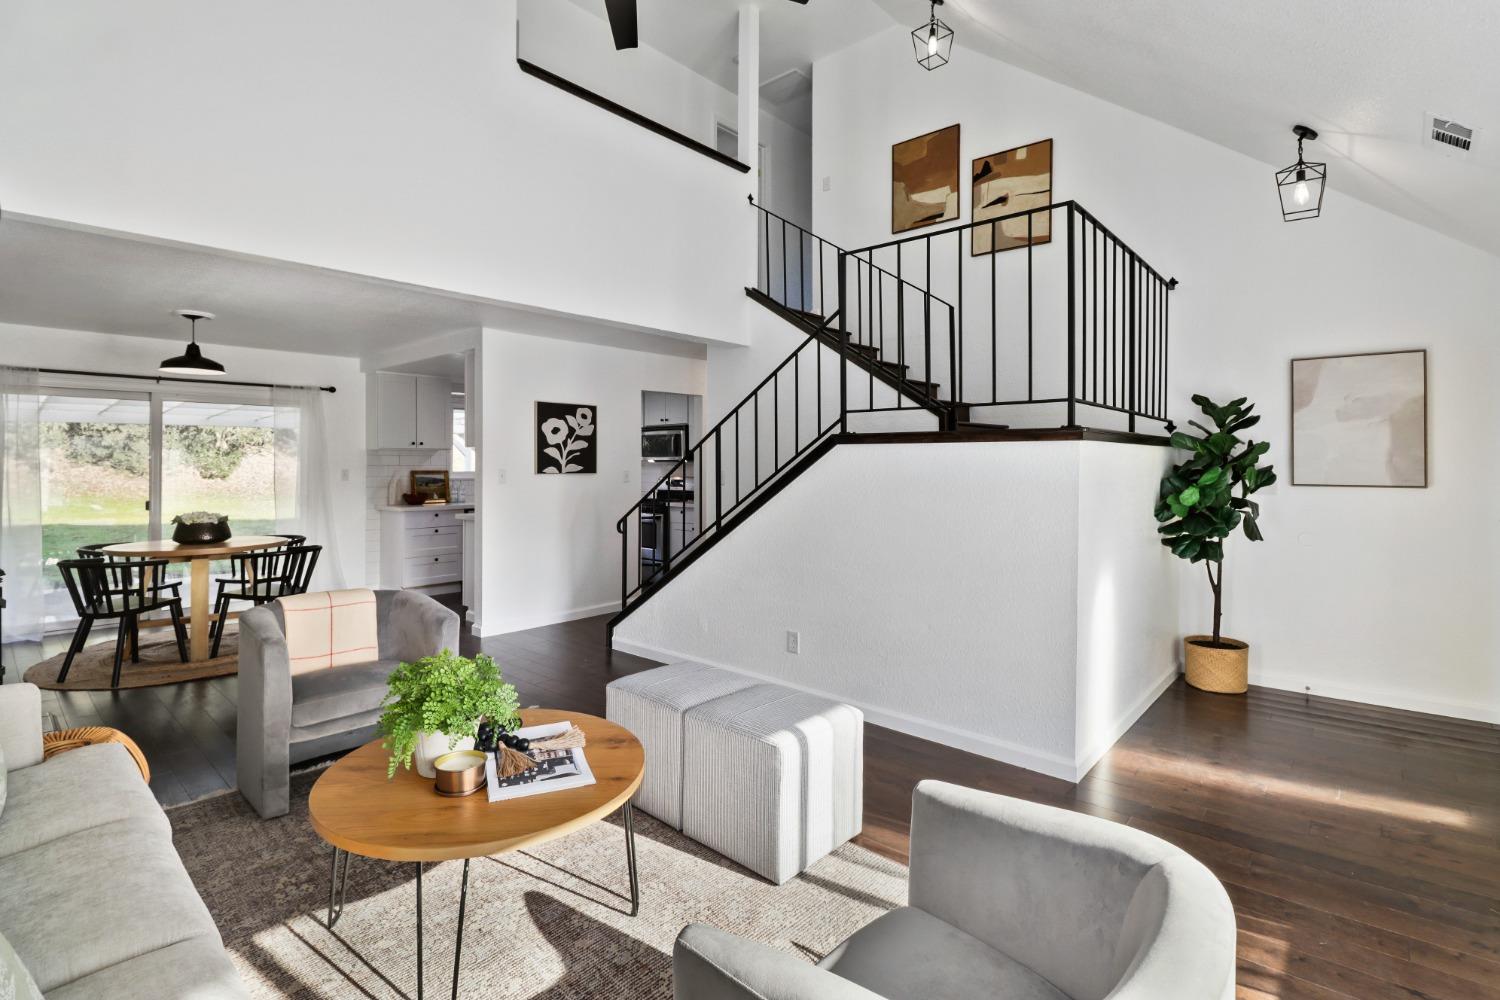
<point>459,773</point>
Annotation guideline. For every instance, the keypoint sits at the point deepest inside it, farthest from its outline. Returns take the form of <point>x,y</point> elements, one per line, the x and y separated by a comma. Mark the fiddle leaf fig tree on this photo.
<point>1202,500</point>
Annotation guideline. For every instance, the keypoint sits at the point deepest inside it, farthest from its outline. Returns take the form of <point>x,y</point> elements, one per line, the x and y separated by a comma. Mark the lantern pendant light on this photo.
<point>933,41</point>
<point>1300,186</point>
<point>191,361</point>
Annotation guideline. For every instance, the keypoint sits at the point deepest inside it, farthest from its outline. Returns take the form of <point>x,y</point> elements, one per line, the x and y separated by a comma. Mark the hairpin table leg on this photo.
<point>419,930</point>
<point>336,887</point>
<point>635,887</point>
<point>458,944</point>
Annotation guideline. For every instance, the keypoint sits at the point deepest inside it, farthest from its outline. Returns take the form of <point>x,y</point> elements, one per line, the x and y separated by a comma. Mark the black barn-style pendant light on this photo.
<point>933,41</point>
<point>191,361</point>
<point>1300,186</point>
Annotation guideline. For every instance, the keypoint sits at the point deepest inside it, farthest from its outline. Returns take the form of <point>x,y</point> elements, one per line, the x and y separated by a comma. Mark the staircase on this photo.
<point>1042,335</point>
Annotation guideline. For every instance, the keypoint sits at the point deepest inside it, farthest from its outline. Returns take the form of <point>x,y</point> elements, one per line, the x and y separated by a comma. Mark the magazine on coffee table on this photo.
<point>556,770</point>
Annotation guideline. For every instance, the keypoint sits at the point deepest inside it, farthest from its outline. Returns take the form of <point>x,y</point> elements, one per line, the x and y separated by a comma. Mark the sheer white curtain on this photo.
<point>21,504</point>
<point>303,478</point>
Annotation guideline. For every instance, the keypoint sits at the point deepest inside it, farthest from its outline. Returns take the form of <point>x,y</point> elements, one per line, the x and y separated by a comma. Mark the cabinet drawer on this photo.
<point>437,568</point>
<point>427,539</point>
<point>430,519</point>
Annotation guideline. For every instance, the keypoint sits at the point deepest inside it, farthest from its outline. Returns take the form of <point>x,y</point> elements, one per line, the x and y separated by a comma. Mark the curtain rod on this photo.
<point>178,378</point>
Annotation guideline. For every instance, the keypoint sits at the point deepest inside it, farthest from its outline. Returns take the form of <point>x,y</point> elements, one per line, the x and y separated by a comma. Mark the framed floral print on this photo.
<point>565,440</point>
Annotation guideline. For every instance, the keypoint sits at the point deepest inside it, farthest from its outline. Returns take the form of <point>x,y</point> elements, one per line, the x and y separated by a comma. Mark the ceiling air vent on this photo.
<point>1447,136</point>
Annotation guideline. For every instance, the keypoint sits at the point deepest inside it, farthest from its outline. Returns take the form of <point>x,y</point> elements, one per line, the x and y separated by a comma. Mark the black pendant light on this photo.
<point>1300,186</point>
<point>932,41</point>
<point>192,361</point>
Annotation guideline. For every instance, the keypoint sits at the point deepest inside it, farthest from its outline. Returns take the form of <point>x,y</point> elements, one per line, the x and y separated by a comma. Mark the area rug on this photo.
<point>95,663</point>
<point>549,923</point>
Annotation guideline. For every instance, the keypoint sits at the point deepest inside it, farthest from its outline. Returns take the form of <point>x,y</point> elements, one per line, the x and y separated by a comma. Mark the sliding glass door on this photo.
<point>218,457</point>
<point>118,466</point>
<point>96,456</point>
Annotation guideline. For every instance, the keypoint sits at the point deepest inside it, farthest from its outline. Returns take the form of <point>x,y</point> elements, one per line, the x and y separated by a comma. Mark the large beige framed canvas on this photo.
<point>924,180</point>
<point>1360,420</point>
<point>1007,183</point>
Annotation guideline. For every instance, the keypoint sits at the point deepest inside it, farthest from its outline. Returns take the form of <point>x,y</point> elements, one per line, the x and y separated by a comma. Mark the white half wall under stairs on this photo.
<point>1007,598</point>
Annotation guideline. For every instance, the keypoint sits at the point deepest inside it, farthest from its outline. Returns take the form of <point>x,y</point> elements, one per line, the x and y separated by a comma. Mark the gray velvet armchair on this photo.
<point>1008,901</point>
<point>284,719</point>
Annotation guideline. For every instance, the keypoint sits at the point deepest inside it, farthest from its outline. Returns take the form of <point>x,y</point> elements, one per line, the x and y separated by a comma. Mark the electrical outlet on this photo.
<point>625,478</point>
<point>343,475</point>
<point>793,641</point>
<point>500,476</point>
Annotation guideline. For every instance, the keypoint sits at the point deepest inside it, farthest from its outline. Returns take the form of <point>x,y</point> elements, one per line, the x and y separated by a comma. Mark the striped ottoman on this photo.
<point>772,778</point>
<point>651,704</point>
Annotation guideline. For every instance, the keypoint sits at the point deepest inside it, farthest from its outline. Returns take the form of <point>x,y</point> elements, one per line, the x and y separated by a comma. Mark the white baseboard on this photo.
<point>1383,697</point>
<point>1030,758</point>
<point>1122,724</point>
<point>551,618</point>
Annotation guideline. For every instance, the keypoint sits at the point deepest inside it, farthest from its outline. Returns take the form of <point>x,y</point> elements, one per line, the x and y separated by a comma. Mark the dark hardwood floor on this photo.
<point>1361,845</point>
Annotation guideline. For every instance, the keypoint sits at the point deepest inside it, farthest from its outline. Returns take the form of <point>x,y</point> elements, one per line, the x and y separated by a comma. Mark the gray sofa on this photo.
<point>1008,901</point>
<point>285,719</point>
<point>96,902</point>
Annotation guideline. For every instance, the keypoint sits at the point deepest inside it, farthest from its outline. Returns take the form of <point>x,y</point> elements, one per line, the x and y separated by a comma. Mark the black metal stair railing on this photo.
<point>909,346</point>
<point>1079,327</point>
<point>785,416</point>
<point>789,412</point>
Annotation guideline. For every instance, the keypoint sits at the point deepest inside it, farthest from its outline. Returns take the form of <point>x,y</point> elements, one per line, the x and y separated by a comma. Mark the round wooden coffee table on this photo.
<point>358,810</point>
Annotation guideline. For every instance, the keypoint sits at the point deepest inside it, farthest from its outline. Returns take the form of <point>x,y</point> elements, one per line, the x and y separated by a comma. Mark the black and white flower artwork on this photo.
<point>565,439</point>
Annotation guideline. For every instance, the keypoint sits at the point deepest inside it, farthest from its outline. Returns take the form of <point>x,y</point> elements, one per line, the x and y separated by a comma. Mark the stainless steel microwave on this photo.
<point>664,442</point>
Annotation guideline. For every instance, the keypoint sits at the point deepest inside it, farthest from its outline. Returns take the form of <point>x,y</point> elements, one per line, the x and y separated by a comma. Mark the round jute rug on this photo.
<point>159,664</point>
<point>549,923</point>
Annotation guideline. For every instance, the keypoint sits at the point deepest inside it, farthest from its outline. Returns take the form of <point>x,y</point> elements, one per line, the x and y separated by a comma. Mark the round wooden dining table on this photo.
<point>198,557</point>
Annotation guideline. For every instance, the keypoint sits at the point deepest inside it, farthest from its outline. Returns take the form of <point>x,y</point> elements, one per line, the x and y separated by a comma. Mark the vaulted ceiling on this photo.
<point>1364,73</point>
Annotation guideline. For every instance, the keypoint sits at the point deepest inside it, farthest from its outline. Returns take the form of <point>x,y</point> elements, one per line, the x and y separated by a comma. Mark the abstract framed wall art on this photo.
<point>1007,183</point>
<point>1360,420</point>
<point>924,180</point>
<point>566,439</point>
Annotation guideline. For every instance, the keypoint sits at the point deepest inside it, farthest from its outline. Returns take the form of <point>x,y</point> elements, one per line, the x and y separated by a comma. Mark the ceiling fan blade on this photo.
<point>622,23</point>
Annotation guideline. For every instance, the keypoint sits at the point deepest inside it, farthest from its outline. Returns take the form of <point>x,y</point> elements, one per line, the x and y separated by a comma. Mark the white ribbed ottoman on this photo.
<point>772,778</point>
<point>651,705</point>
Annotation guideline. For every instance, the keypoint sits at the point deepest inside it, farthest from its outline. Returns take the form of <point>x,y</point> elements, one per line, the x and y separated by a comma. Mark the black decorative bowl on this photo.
<point>208,533</point>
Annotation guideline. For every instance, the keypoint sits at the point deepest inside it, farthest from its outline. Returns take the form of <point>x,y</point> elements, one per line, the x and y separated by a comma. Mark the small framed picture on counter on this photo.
<point>432,484</point>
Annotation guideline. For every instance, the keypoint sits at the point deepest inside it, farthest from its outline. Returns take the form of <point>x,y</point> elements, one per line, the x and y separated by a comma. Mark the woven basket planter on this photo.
<point>1222,669</point>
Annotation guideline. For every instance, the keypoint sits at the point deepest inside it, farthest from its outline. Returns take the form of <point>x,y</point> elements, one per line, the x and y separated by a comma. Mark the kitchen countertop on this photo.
<point>464,517</point>
<point>404,508</point>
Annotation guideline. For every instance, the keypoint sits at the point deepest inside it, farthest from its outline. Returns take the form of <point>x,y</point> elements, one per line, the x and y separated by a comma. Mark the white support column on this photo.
<point>749,92</point>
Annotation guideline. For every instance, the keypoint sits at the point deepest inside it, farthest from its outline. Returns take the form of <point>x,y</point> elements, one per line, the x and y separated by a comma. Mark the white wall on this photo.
<point>1385,596</point>
<point>1128,592</point>
<point>973,634</point>
<point>576,45</point>
<point>549,547</point>
<point>344,410</point>
<point>373,136</point>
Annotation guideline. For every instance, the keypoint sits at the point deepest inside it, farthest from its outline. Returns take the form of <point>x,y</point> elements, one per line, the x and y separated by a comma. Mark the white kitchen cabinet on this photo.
<point>420,546</point>
<point>410,411</point>
<point>664,408</point>
<point>434,413</point>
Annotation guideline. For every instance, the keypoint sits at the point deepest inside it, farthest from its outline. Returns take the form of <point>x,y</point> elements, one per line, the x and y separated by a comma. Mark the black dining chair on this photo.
<point>122,589</point>
<point>236,583</point>
<point>261,577</point>
<point>96,551</point>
